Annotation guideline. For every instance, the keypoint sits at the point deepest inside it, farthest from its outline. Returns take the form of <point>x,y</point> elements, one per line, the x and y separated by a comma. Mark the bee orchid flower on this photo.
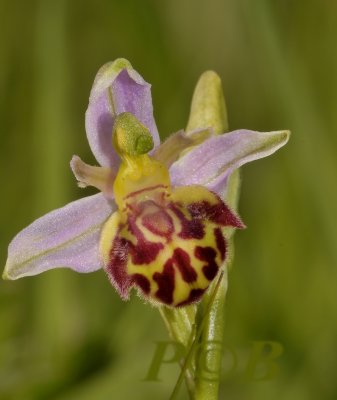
<point>157,222</point>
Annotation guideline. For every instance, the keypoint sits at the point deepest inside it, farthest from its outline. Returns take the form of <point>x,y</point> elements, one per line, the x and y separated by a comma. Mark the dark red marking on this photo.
<point>191,228</point>
<point>195,295</point>
<point>218,213</point>
<point>182,260</point>
<point>165,281</point>
<point>141,281</point>
<point>220,243</point>
<point>150,188</point>
<point>144,252</point>
<point>116,268</point>
<point>159,223</point>
<point>207,254</point>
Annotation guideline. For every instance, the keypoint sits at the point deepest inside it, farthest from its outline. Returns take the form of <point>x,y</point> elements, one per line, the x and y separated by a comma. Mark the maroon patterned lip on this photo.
<point>156,215</point>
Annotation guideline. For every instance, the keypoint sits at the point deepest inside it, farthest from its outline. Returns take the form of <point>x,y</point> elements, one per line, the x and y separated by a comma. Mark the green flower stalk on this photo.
<point>164,215</point>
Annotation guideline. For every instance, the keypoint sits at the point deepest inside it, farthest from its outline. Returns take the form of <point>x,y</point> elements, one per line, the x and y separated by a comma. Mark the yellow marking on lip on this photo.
<point>109,231</point>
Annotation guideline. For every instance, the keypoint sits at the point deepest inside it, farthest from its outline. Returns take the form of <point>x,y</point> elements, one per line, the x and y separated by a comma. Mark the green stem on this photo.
<point>188,360</point>
<point>210,352</point>
<point>180,325</point>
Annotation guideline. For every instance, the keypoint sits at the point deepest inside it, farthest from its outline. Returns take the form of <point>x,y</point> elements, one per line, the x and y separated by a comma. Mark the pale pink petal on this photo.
<point>67,237</point>
<point>211,163</point>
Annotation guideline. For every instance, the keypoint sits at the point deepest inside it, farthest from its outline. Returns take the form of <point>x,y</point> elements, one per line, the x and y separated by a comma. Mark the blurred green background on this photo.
<point>66,336</point>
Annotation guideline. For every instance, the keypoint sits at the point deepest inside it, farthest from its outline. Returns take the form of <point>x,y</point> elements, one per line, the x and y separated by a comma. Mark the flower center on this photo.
<point>137,171</point>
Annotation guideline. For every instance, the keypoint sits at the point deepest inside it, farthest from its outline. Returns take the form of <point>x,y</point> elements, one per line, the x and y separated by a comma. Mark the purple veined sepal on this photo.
<point>64,238</point>
<point>117,88</point>
<point>212,162</point>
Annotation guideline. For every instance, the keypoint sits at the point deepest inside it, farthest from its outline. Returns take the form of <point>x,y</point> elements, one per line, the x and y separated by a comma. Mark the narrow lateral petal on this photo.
<point>64,238</point>
<point>101,178</point>
<point>178,143</point>
<point>211,163</point>
<point>117,88</point>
